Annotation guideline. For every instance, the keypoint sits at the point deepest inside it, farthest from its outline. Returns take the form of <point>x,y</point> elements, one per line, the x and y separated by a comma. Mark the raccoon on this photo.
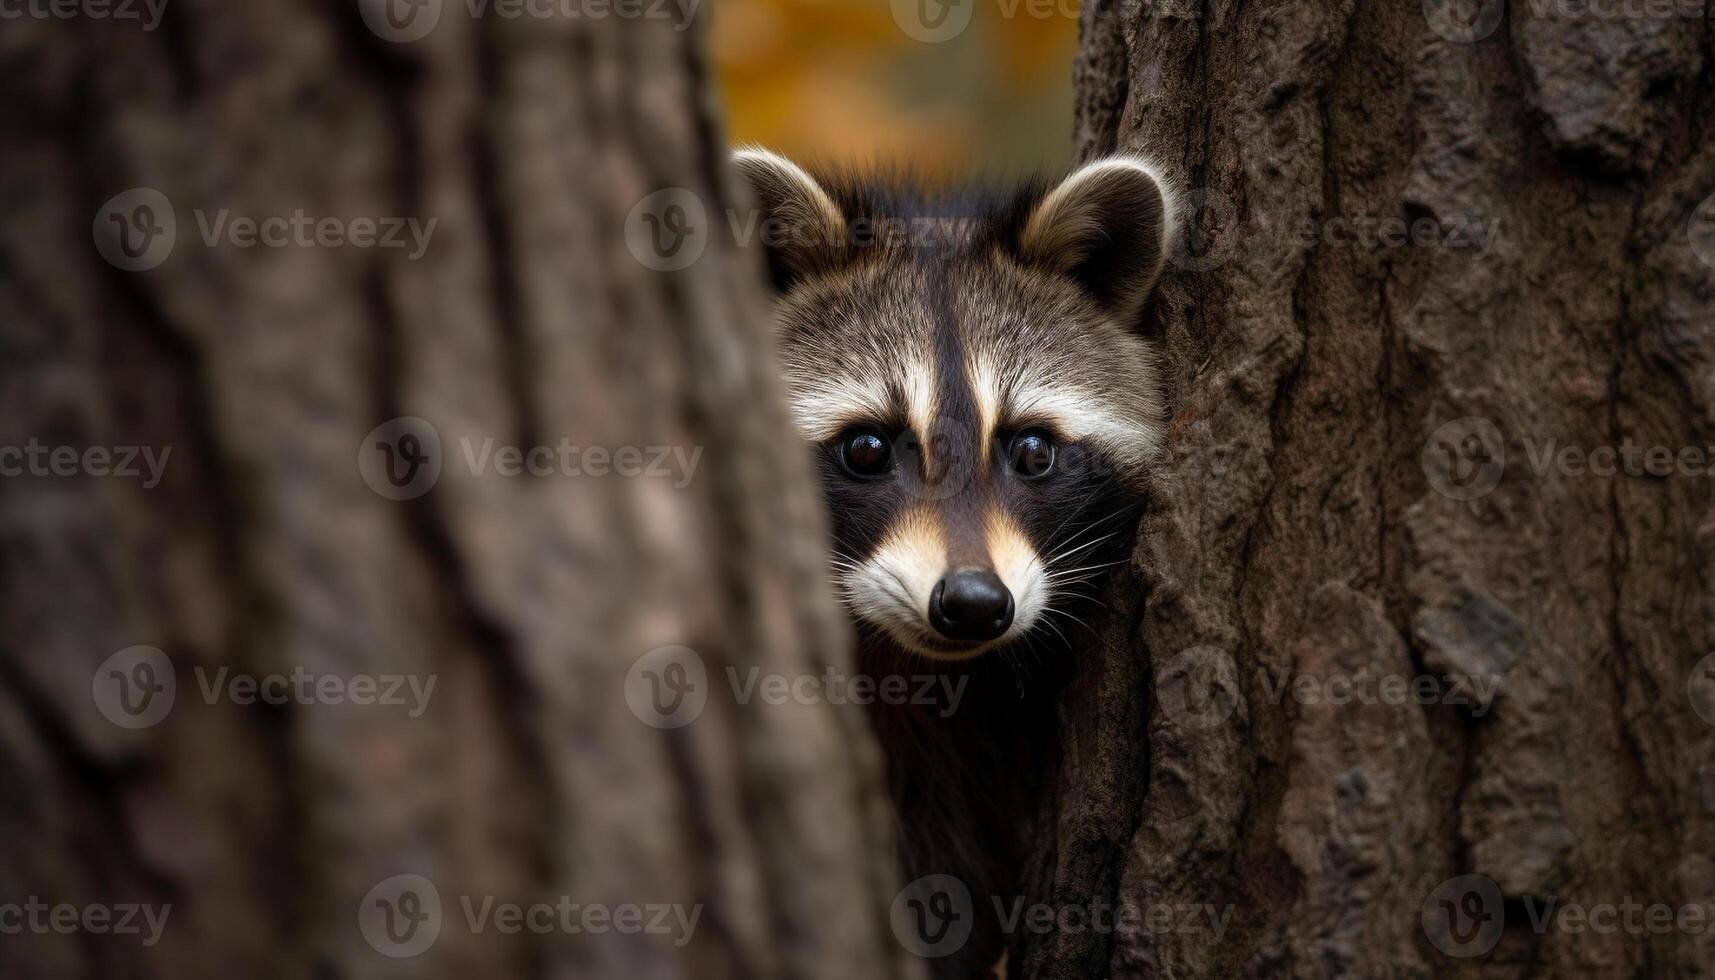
<point>968,369</point>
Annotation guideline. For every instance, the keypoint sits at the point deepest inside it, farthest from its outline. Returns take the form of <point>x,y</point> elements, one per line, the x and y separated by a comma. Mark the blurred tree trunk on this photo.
<point>1329,506</point>
<point>530,777</point>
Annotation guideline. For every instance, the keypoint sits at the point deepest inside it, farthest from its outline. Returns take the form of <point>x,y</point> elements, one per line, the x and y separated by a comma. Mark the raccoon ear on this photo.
<point>800,225</point>
<point>1107,226</point>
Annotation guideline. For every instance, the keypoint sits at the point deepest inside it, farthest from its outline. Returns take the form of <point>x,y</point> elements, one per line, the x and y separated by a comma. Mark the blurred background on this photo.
<point>955,90</point>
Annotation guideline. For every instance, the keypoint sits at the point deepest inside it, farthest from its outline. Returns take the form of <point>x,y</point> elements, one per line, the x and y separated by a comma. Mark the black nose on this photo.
<point>970,605</point>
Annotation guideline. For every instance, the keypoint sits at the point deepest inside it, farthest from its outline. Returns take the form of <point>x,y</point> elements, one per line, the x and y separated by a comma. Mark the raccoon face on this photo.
<point>968,372</point>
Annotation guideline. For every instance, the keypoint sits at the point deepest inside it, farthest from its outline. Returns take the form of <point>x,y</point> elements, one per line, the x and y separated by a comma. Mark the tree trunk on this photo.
<point>534,771</point>
<point>1367,479</point>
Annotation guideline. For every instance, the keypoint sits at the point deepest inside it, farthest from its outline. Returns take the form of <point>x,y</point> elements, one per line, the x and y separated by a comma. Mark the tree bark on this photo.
<point>1328,509</point>
<point>528,321</point>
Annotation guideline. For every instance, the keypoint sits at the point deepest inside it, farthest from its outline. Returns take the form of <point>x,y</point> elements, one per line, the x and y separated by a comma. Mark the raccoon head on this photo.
<point>969,371</point>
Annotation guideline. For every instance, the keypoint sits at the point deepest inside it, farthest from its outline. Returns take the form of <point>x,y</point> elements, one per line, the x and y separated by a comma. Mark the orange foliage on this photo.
<point>840,80</point>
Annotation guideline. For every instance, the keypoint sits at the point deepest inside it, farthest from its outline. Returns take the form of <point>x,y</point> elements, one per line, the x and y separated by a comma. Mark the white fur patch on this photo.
<point>824,406</point>
<point>892,588</point>
<point>1078,413</point>
<point>920,400</point>
<point>1063,219</point>
<point>985,387</point>
<point>822,212</point>
<point>1020,567</point>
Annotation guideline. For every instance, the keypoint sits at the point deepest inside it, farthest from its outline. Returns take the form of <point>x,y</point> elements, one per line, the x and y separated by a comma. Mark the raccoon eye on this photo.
<point>1032,453</point>
<point>865,453</point>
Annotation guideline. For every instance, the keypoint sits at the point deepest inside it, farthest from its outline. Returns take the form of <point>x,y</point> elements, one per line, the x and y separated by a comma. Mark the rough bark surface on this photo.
<point>1299,534</point>
<point>527,321</point>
